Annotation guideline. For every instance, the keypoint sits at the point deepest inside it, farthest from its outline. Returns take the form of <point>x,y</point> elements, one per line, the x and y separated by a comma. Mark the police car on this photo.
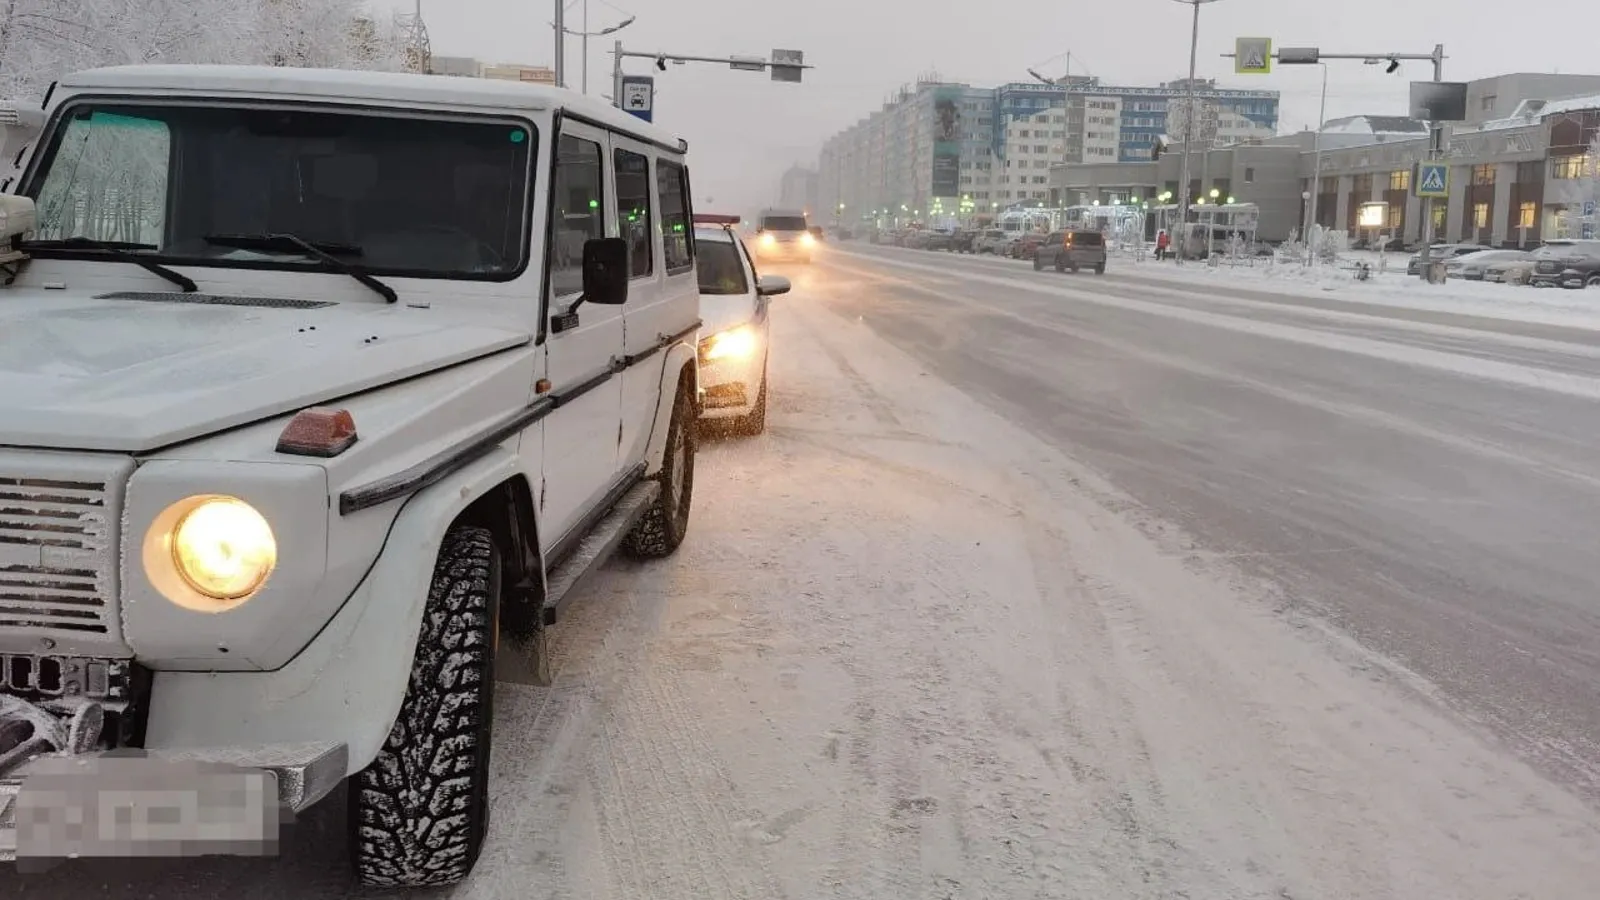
<point>735,330</point>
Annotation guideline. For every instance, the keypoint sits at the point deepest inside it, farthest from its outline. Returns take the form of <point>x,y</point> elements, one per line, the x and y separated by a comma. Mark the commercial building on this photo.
<point>1520,168</point>
<point>955,149</point>
<point>519,72</point>
<point>467,67</point>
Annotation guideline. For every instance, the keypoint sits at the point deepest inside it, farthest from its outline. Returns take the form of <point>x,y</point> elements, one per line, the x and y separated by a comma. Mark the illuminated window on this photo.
<point>1567,167</point>
<point>1480,215</point>
<point>1527,214</point>
<point>1483,174</point>
<point>1400,180</point>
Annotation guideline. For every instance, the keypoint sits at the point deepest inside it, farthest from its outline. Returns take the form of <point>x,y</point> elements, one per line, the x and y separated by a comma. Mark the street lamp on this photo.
<point>586,34</point>
<point>1191,127</point>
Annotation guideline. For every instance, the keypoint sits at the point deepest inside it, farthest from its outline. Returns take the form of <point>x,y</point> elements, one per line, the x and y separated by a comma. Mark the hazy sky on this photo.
<point>744,130</point>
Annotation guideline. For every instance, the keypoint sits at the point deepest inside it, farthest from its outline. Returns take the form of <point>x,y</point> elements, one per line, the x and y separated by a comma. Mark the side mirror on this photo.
<point>605,272</point>
<point>772,285</point>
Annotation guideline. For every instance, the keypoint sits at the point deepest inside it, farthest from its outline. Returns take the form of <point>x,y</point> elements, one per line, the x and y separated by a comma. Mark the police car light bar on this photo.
<point>714,219</point>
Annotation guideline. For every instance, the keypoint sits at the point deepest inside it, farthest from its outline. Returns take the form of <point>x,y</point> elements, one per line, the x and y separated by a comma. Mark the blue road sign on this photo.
<point>639,96</point>
<point>1433,180</point>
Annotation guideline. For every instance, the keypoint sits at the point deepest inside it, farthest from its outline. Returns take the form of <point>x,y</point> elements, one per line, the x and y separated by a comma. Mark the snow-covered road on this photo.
<point>910,650</point>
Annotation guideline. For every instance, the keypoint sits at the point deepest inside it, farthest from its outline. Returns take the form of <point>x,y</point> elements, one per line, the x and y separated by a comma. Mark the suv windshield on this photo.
<point>784,223</point>
<point>402,195</point>
<point>719,268</point>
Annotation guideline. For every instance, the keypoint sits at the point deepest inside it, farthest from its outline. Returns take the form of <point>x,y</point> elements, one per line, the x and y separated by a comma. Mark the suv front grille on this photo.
<point>57,548</point>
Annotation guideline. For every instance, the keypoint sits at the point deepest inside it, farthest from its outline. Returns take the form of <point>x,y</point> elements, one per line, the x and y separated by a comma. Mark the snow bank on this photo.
<point>1392,288</point>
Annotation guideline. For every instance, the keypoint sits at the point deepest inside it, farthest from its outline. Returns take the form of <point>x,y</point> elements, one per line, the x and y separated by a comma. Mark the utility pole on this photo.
<point>561,43</point>
<point>1316,169</point>
<point>1191,132</point>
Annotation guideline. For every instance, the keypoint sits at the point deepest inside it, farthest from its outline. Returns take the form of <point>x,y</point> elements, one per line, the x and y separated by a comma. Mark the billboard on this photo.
<point>1439,101</point>
<point>947,142</point>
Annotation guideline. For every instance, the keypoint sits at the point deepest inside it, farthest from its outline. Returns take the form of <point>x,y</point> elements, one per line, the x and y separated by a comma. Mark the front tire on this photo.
<point>419,812</point>
<point>663,526</point>
<point>754,422</point>
<point>1038,264</point>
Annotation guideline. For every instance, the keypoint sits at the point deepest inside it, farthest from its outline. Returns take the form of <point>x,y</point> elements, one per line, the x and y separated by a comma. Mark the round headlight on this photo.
<point>223,548</point>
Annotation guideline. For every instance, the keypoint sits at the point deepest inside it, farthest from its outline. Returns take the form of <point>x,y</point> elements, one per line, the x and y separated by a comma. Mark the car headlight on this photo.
<point>220,548</point>
<point>735,343</point>
<point>768,238</point>
<point>807,239</point>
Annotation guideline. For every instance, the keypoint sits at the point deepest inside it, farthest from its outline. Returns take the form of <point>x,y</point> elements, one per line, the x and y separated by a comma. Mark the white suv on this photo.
<point>320,393</point>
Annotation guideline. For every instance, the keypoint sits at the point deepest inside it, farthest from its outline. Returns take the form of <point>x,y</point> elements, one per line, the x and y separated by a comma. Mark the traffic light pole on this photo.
<point>1305,56</point>
<point>779,69</point>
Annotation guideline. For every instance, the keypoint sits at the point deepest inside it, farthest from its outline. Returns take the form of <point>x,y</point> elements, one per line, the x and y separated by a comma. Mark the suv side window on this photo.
<point>633,210</point>
<point>677,238</point>
<point>579,211</point>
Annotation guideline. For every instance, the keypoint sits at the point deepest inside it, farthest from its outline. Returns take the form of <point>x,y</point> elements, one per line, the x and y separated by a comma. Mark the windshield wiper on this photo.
<point>322,251</point>
<point>122,250</point>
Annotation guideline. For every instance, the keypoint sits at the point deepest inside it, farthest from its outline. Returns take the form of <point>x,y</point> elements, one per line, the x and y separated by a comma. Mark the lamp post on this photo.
<point>585,34</point>
<point>1316,168</point>
<point>1191,128</point>
<point>560,56</point>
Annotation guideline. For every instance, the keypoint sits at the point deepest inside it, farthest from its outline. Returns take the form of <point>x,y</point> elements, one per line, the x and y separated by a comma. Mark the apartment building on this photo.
<point>928,152</point>
<point>1010,137</point>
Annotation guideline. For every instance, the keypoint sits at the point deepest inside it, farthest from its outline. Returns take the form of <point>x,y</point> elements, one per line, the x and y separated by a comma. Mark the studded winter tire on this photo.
<point>419,812</point>
<point>661,529</point>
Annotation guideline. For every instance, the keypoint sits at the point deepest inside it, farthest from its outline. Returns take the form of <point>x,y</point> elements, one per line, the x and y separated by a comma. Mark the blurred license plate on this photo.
<point>141,806</point>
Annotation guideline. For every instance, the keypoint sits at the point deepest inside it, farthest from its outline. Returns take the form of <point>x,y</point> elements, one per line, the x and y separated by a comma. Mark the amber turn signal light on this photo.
<point>318,431</point>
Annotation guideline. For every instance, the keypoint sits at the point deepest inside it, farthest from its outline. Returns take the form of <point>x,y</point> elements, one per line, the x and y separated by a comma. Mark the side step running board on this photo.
<point>596,547</point>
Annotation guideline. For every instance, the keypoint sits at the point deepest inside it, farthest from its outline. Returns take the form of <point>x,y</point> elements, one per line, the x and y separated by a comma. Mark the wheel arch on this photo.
<point>507,511</point>
<point>679,371</point>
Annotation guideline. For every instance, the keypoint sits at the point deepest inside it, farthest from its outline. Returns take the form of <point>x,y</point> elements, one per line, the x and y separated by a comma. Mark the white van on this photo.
<point>782,235</point>
<point>335,386</point>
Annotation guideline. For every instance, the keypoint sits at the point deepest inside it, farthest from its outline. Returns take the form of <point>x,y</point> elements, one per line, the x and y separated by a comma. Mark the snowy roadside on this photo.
<point>1578,308</point>
<point>1517,303</point>
<point>909,651</point>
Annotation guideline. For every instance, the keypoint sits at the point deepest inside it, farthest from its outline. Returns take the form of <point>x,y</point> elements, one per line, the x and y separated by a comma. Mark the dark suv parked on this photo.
<point>1073,250</point>
<point>1572,264</point>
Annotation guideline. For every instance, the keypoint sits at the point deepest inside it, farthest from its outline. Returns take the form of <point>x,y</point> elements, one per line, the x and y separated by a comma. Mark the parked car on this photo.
<point>1024,245</point>
<point>989,241</point>
<point>963,241</point>
<point>1442,252</point>
<point>313,510</point>
<point>939,239</point>
<point>1516,271</point>
<point>916,239</point>
<point>1473,266</point>
<point>1567,263</point>
<point>735,329</point>
<point>1072,250</point>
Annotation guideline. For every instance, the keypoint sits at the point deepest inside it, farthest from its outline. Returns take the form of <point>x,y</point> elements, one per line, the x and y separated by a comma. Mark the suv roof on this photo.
<point>387,88</point>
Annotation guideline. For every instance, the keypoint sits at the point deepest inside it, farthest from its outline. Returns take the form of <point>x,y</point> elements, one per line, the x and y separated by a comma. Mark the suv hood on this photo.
<point>82,373</point>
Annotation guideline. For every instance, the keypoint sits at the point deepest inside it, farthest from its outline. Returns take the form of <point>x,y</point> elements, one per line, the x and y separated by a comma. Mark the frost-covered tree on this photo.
<point>41,40</point>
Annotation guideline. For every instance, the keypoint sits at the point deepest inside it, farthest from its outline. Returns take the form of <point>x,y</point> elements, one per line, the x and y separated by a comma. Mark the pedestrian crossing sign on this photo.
<point>1432,180</point>
<point>1252,56</point>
